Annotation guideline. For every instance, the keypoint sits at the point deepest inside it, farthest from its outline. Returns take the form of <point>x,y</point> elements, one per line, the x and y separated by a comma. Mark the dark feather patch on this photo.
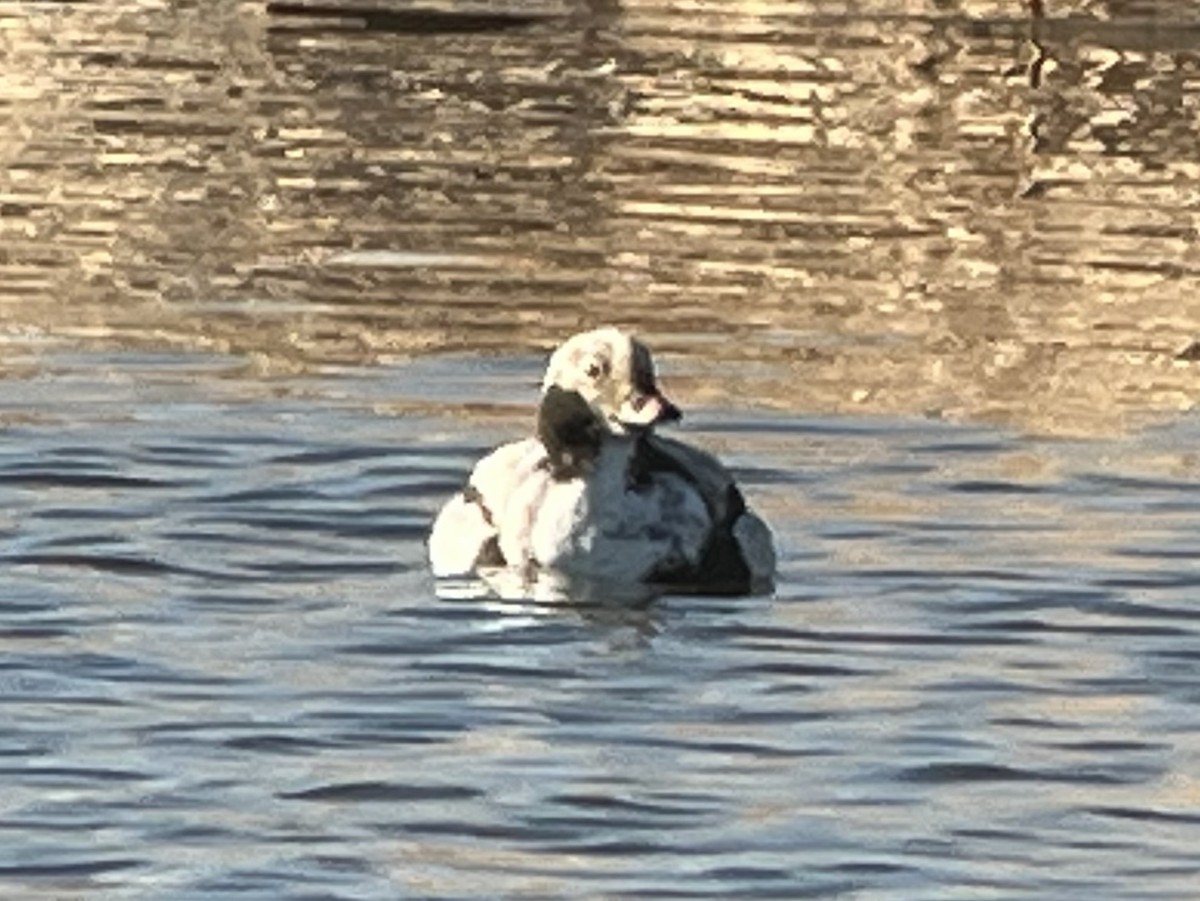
<point>570,431</point>
<point>722,567</point>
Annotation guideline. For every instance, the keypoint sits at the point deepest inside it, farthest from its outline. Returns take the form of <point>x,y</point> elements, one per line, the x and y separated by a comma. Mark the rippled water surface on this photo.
<point>225,672</point>
<point>968,208</point>
<point>274,274</point>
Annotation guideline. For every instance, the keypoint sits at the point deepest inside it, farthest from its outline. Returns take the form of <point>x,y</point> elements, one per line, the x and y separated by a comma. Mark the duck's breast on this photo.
<point>602,527</point>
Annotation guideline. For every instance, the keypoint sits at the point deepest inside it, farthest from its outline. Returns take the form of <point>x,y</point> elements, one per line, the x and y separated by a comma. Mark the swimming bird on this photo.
<point>597,494</point>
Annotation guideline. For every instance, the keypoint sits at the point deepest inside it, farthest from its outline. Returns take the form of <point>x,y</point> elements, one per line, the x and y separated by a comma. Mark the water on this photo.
<point>226,672</point>
<point>271,281</point>
<point>966,209</point>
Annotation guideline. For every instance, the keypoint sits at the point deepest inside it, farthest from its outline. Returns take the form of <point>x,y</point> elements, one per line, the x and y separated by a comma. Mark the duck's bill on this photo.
<point>648,409</point>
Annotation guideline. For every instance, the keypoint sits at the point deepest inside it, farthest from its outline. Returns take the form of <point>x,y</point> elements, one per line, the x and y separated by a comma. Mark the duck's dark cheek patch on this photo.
<point>642,370</point>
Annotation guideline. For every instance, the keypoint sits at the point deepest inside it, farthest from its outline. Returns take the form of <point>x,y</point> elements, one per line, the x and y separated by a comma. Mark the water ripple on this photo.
<point>380,792</point>
<point>225,670</point>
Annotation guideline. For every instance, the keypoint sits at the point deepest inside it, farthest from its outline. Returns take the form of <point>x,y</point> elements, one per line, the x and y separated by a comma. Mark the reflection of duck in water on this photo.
<point>597,495</point>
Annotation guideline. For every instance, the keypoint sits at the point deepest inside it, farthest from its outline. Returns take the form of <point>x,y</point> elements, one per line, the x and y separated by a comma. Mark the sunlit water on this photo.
<point>225,672</point>
<point>958,207</point>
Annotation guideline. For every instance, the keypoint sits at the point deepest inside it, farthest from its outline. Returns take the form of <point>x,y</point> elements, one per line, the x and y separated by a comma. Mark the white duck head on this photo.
<point>614,374</point>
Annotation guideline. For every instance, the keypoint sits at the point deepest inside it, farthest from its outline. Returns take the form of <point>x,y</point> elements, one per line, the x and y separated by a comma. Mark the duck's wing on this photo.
<point>699,468</point>
<point>465,534</point>
<point>741,549</point>
<point>462,539</point>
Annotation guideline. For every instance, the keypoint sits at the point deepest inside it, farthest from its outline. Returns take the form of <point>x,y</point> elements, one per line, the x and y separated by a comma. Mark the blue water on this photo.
<point>225,673</point>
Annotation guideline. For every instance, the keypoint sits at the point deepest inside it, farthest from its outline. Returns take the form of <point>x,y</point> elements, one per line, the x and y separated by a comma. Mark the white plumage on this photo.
<point>597,496</point>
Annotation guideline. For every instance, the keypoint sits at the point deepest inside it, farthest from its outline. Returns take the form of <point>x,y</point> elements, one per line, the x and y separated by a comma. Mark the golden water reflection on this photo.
<point>985,213</point>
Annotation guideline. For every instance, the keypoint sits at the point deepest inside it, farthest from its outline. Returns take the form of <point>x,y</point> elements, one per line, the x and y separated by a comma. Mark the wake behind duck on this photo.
<point>597,496</point>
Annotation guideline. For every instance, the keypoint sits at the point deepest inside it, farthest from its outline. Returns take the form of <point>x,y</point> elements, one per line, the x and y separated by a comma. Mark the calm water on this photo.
<point>271,280</point>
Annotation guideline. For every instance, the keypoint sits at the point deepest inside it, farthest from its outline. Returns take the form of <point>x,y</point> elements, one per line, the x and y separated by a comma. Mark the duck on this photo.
<point>597,495</point>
